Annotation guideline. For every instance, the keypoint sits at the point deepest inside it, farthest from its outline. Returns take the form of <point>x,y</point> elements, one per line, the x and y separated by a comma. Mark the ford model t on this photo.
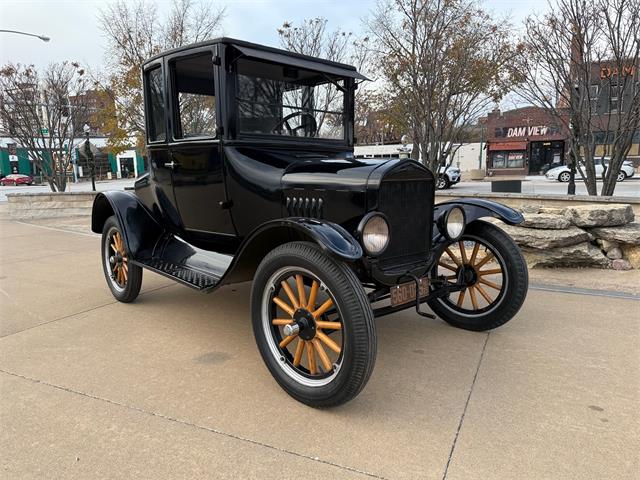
<point>252,177</point>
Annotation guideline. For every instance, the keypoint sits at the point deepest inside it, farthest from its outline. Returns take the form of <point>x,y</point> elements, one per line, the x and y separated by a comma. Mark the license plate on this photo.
<point>406,292</point>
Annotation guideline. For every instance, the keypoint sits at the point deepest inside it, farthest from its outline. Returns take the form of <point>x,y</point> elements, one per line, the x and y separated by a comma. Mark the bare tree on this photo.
<point>134,33</point>
<point>444,62</point>
<point>578,63</point>
<point>312,37</point>
<point>40,110</point>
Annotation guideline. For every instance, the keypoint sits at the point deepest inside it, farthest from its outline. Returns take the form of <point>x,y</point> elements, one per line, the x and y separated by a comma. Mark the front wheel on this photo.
<point>495,275</point>
<point>313,325</point>
<point>443,182</point>
<point>123,278</point>
<point>621,177</point>
<point>564,177</point>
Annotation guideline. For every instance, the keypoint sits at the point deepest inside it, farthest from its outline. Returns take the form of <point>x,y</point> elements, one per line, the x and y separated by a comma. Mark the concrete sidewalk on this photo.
<point>172,386</point>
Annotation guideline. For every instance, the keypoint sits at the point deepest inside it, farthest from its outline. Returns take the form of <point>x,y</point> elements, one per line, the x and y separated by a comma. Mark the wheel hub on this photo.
<point>306,323</point>
<point>468,273</point>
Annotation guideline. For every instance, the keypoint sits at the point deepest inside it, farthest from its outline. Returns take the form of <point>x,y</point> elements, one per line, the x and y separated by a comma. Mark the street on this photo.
<point>172,385</point>
<point>540,185</point>
<point>533,184</point>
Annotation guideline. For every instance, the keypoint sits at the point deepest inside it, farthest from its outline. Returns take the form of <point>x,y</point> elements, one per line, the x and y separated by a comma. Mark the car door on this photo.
<point>195,150</point>
<point>155,99</point>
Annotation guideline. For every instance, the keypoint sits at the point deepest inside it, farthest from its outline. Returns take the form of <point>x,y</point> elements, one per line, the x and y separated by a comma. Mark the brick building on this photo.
<point>522,141</point>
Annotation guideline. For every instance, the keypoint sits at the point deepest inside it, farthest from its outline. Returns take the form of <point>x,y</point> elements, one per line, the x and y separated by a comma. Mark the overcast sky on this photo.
<point>75,33</point>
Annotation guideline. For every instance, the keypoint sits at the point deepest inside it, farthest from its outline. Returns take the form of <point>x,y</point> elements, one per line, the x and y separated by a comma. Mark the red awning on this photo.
<point>508,146</point>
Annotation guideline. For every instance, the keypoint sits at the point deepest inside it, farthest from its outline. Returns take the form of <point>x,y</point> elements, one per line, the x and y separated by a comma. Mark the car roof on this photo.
<point>270,54</point>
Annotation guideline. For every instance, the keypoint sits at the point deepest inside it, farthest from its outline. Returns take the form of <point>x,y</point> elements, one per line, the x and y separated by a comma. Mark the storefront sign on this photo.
<point>527,131</point>
<point>608,72</point>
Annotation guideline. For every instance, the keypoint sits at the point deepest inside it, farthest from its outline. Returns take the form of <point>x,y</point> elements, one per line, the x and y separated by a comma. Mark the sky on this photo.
<point>75,33</point>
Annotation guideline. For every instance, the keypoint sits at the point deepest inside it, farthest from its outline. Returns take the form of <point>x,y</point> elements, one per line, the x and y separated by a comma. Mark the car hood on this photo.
<point>331,173</point>
<point>557,170</point>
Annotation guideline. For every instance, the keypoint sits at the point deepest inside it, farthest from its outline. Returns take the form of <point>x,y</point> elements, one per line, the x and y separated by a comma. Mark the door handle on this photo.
<point>172,164</point>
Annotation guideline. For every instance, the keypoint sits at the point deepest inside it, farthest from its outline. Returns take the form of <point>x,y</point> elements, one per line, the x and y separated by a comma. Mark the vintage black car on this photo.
<point>252,177</point>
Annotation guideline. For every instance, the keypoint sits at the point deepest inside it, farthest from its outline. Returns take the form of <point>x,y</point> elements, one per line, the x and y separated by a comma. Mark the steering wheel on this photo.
<point>312,126</point>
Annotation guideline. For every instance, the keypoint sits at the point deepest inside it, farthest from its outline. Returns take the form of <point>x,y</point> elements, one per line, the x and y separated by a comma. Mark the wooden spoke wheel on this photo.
<point>490,266</point>
<point>305,326</point>
<point>118,261</point>
<point>123,277</point>
<point>481,270</point>
<point>313,324</point>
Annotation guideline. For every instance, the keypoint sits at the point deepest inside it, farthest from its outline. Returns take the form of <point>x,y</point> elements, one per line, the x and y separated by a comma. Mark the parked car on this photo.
<point>447,177</point>
<point>250,179</point>
<point>16,179</point>
<point>562,174</point>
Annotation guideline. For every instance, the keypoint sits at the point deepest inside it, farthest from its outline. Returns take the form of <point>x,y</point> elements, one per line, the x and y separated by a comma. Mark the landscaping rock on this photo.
<point>621,264</point>
<point>614,253</point>
<point>629,234</point>
<point>545,221</point>
<point>553,210</point>
<point>600,216</point>
<point>543,239</point>
<point>582,255</point>
<point>530,209</point>
<point>632,255</point>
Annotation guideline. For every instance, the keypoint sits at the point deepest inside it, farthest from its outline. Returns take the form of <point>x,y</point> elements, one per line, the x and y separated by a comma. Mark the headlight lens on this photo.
<point>375,234</point>
<point>454,223</point>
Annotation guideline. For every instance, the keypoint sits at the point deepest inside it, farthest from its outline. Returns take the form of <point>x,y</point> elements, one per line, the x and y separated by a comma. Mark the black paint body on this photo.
<point>233,198</point>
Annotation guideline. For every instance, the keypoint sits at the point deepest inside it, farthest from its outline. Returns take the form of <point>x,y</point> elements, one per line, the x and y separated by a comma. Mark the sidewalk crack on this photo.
<point>464,411</point>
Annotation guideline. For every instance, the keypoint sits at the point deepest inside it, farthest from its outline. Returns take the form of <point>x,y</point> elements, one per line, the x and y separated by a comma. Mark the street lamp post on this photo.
<point>89,155</point>
<point>41,37</point>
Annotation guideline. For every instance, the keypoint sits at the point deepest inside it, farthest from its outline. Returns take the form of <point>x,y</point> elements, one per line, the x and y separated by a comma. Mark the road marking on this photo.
<point>544,287</point>
<point>193,425</point>
<point>58,229</point>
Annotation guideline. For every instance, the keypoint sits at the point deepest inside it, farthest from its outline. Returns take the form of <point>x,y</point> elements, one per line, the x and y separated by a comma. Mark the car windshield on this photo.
<point>280,100</point>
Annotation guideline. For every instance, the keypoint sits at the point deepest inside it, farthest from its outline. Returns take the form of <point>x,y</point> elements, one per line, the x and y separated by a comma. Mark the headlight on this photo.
<point>452,223</point>
<point>374,232</point>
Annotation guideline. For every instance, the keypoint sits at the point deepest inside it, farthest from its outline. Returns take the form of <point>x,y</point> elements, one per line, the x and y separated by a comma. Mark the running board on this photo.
<point>201,281</point>
<point>194,267</point>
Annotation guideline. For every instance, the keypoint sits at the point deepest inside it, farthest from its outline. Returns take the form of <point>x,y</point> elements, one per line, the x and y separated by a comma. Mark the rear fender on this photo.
<point>475,208</point>
<point>140,230</point>
<point>330,237</point>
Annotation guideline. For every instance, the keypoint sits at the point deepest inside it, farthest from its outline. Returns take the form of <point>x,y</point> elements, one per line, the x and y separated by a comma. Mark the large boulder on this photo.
<point>545,221</point>
<point>629,234</point>
<point>632,254</point>
<point>600,215</point>
<point>582,255</point>
<point>543,239</point>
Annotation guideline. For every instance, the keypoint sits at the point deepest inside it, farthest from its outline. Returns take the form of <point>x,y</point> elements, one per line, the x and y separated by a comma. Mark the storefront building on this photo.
<point>127,164</point>
<point>524,141</point>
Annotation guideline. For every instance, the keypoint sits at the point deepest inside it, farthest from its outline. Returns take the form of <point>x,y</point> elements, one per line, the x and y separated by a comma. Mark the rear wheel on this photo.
<point>313,325</point>
<point>494,273</point>
<point>123,278</point>
<point>621,176</point>
<point>564,177</point>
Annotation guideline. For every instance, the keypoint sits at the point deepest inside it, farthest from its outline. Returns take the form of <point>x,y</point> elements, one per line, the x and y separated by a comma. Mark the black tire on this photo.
<point>621,176</point>
<point>564,177</point>
<point>514,282</point>
<point>443,182</point>
<point>351,370</point>
<point>127,290</point>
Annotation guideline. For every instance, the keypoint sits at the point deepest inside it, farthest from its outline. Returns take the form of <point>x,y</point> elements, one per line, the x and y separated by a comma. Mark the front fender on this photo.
<point>330,237</point>
<point>140,230</point>
<point>475,208</point>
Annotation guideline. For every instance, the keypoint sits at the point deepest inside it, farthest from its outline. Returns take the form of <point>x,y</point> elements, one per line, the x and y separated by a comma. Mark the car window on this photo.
<point>281,100</point>
<point>194,96</point>
<point>155,100</point>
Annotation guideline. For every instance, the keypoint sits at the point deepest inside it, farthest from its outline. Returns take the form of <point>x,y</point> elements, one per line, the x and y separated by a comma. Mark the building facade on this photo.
<point>524,141</point>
